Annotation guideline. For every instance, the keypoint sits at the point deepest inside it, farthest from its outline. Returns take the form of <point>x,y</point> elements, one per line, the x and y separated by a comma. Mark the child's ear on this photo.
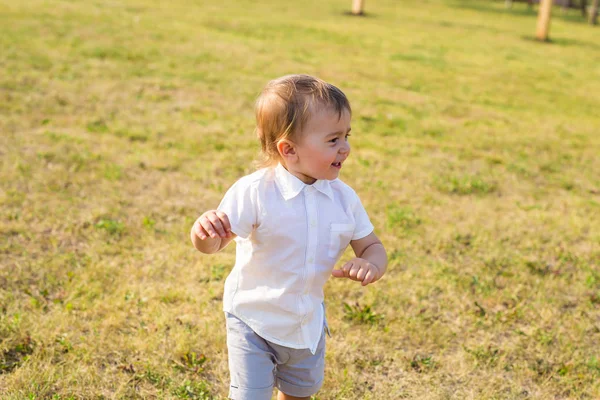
<point>287,150</point>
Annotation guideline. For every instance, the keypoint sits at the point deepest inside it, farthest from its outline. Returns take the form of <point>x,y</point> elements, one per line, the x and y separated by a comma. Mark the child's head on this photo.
<point>286,106</point>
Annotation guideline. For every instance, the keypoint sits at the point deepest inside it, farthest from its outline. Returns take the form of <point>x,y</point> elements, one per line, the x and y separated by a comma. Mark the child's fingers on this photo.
<point>216,223</point>
<point>368,278</point>
<point>208,227</point>
<point>225,221</point>
<point>352,274</point>
<point>200,231</point>
<point>347,267</point>
<point>338,273</point>
<point>361,274</point>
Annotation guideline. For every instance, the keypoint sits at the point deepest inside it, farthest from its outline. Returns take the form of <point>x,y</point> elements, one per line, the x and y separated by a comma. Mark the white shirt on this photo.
<point>289,237</point>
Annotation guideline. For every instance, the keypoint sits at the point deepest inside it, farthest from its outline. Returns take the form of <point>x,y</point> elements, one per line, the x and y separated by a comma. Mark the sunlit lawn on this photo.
<point>476,151</point>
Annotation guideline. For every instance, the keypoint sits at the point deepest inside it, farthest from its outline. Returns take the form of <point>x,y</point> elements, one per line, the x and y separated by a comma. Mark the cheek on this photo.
<point>327,157</point>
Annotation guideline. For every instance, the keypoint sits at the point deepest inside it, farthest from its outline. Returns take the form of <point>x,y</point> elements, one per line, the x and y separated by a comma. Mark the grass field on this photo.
<point>476,151</point>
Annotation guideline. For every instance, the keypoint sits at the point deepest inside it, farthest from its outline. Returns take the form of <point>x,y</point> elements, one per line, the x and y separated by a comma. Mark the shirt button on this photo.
<point>311,260</point>
<point>313,223</point>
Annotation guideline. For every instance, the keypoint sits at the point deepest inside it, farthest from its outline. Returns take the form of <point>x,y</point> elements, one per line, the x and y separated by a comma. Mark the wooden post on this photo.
<point>543,22</point>
<point>594,13</point>
<point>357,7</point>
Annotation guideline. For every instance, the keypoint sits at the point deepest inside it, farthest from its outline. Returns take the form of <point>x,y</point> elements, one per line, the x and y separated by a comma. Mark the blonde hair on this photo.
<point>284,106</point>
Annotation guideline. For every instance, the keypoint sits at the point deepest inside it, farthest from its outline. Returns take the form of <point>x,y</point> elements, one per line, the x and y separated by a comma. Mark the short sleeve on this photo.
<point>239,204</point>
<point>363,224</point>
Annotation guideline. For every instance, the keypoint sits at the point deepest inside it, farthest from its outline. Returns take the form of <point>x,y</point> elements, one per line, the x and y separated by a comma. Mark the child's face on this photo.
<point>322,146</point>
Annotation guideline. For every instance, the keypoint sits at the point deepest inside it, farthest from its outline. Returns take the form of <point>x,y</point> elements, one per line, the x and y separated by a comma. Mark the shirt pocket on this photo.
<point>339,238</point>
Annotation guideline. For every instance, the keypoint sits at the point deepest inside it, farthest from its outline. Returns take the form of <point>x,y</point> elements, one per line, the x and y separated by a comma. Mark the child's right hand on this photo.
<point>212,223</point>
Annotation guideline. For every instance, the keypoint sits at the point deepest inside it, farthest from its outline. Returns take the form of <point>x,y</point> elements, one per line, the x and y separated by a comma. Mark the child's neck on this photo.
<point>308,180</point>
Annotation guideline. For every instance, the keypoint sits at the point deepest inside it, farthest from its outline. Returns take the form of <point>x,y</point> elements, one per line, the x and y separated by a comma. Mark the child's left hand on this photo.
<point>358,269</point>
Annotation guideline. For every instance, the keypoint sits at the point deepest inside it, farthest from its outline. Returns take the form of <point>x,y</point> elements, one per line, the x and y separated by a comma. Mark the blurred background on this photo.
<point>475,150</point>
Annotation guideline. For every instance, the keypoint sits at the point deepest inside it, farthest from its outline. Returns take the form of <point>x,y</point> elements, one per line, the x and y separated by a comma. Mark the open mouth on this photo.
<point>337,164</point>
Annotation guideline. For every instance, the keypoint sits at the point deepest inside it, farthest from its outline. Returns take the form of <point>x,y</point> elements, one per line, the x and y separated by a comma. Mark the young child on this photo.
<point>291,221</point>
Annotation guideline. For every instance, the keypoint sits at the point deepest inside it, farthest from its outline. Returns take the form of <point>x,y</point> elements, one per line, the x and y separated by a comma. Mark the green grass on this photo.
<point>475,152</point>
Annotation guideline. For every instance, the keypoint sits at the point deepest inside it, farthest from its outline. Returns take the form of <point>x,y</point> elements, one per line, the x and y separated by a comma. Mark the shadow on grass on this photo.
<point>564,42</point>
<point>361,15</point>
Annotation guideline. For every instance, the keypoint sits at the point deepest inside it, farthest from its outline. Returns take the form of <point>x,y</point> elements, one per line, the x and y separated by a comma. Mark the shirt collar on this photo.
<point>290,186</point>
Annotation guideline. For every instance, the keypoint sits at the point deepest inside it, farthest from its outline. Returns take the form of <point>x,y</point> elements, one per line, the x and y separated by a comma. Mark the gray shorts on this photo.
<point>257,365</point>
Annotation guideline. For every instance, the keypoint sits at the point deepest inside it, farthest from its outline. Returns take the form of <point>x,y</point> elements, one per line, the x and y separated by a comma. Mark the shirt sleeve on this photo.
<point>239,204</point>
<point>363,224</point>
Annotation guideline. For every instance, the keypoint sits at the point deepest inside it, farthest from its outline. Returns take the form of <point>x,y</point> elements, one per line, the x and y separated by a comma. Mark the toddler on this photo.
<point>291,221</point>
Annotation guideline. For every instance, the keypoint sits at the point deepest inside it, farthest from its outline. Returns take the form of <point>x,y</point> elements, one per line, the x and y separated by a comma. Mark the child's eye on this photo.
<point>347,136</point>
<point>334,140</point>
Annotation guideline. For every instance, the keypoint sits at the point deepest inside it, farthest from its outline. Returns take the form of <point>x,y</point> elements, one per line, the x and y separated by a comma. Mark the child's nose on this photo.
<point>345,148</point>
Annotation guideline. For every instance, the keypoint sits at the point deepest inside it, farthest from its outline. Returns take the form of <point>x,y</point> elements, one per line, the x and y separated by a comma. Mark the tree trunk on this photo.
<point>594,13</point>
<point>357,7</point>
<point>543,22</point>
<point>583,8</point>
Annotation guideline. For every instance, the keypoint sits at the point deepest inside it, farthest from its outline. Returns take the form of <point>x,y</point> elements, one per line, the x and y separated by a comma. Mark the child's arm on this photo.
<point>370,262</point>
<point>211,232</point>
